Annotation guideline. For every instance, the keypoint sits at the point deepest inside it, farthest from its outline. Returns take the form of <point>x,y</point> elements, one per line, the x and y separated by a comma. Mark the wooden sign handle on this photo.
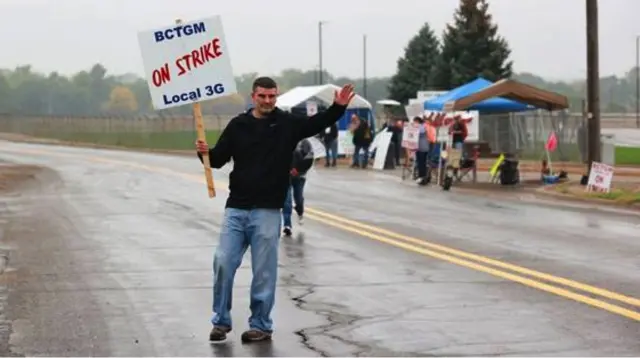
<point>197,116</point>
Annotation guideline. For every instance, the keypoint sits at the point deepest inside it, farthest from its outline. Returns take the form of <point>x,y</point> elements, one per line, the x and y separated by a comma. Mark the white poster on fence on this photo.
<point>187,63</point>
<point>312,108</point>
<point>600,177</point>
<point>383,147</point>
<point>410,136</point>
<point>345,143</point>
<point>470,118</point>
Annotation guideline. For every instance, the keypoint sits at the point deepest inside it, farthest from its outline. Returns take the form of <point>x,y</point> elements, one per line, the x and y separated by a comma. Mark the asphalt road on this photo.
<point>110,253</point>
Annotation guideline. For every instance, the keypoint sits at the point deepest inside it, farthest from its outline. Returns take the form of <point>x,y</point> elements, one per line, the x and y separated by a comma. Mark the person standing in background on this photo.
<point>330,140</point>
<point>302,161</point>
<point>459,132</point>
<point>396,133</point>
<point>422,154</point>
<point>362,139</point>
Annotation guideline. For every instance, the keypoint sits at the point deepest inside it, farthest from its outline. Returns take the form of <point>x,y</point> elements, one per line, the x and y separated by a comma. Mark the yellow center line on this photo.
<point>426,248</point>
<point>494,272</point>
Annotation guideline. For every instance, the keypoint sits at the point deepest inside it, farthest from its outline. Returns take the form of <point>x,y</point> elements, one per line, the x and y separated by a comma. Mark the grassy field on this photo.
<point>627,156</point>
<point>625,195</point>
<point>183,140</point>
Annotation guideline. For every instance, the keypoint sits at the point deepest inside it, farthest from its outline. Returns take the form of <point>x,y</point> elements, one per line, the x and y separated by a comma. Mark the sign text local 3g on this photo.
<point>187,63</point>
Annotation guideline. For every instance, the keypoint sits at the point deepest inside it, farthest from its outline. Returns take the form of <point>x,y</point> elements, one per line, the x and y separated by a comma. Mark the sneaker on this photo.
<point>218,333</point>
<point>300,220</point>
<point>254,335</point>
<point>287,231</point>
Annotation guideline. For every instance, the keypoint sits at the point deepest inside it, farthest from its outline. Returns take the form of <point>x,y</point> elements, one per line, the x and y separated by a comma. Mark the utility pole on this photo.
<point>637,69</point>
<point>593,84</point>
<point>364,65</point>
<point>320,23</point>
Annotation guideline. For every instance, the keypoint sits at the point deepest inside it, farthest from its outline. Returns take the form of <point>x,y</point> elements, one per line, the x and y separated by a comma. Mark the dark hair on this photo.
<point>418,119</point>
<point>264,82</point>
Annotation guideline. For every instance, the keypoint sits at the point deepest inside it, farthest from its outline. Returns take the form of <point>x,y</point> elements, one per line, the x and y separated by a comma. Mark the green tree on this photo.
<point>471,47</point>
<point>414,67</point>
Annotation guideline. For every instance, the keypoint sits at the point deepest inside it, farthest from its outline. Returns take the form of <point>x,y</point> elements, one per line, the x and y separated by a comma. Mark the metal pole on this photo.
<point>320,51</point>
<point>593,85</point>
<point>637,69</point>
<point>364,65</point>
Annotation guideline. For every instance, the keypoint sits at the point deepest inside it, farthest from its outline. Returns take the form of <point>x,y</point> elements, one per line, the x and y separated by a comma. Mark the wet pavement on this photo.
<point>111,254</point>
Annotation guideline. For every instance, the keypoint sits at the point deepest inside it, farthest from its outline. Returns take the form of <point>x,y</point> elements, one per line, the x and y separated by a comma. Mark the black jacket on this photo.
<point>328,138</point>
<point>362,135</point>
<point>262,152</point>
<point>303,157</point>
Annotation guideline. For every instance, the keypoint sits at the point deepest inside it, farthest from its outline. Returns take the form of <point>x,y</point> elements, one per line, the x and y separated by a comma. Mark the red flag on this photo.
<point>552,142</point>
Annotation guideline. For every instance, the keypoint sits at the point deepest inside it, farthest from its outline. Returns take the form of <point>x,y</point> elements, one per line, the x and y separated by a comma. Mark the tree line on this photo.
<point>470,47</point>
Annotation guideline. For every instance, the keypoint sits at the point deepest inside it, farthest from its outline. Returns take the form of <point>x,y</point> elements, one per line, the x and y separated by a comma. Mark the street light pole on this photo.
<point>637,69</point>
<point>593,85</point>
<point>364,65</point>
<point>320,23</point>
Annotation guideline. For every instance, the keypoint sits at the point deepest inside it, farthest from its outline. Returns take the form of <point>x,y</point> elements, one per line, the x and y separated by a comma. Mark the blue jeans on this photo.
<point>356,156</point>
<point>331,151</point>
<point>297,187</point>
<point>260,229</point>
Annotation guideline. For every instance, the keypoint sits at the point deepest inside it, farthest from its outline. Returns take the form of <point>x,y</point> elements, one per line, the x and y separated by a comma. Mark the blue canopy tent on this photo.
<point>491,105</point>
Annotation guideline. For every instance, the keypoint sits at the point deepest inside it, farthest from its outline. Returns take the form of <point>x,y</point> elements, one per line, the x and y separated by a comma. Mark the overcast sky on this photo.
<point>547,36</point>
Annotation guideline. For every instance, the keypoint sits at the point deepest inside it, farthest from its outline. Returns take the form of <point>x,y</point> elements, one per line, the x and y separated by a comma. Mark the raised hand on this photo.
<point>344,96</point>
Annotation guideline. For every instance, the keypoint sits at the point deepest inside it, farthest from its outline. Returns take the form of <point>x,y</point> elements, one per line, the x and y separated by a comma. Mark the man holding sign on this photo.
<point>260,142</point>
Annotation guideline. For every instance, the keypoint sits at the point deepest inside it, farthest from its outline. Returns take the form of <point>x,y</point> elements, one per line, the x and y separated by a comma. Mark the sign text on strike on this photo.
<point>189,61</point>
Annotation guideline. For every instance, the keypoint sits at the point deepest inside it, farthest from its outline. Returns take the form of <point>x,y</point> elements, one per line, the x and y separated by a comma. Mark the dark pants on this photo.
<point>421,163</point>
<point>331,151</point>
<point>297,187</point>
<point>397,150</point>
<point>361,161</point>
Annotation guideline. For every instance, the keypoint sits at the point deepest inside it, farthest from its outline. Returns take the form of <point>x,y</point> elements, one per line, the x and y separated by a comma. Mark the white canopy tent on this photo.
<point>299,95</point>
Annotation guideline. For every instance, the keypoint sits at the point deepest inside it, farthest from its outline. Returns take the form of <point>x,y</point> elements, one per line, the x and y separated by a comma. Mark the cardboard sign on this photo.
<point>410,136</point>
<point>187,63</point>
<point>600,177</point>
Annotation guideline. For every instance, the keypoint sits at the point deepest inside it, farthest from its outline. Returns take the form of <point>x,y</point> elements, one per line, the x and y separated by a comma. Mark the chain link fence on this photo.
<point>167,132</point>
<point>522,133</point>
<point>525,134</point>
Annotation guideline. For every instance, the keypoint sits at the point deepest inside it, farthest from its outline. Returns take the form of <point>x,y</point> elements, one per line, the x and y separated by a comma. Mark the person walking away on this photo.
<point>303,158</point>
<point>330,140</point>
<point>260,142</point>
<point>362,139</point>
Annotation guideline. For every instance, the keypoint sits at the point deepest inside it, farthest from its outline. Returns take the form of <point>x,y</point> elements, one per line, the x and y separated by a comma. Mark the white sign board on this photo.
<point>414,110</point>
<point>427,95</point>
<point>187,63</point>
<point>376,140</point>
<point>312,108</point>
<point>471,118</point>
<point>600,177</point>
<point>410,136</point>
<point>383,147</point>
